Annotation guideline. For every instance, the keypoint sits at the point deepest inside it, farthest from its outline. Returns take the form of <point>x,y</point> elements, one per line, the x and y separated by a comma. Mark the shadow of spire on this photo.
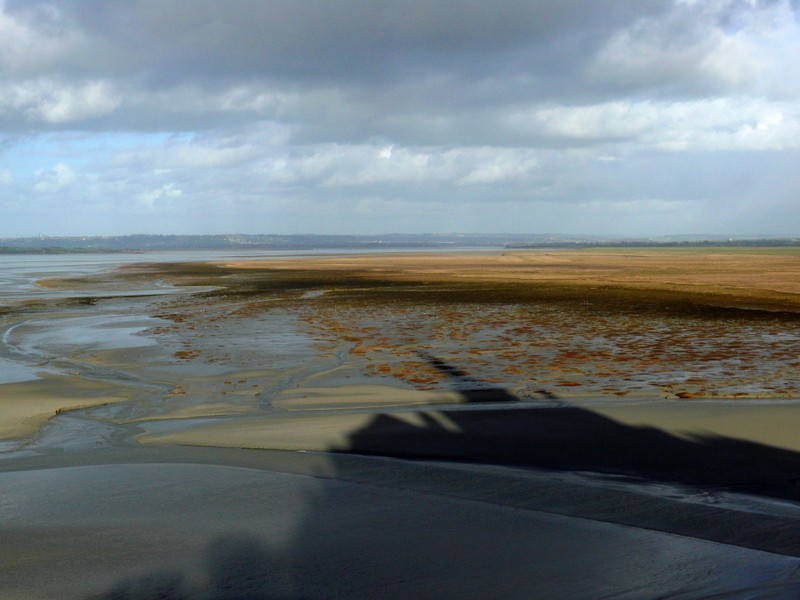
<point>383,541</point>
<point>471,389</point>
<point>570,438</point>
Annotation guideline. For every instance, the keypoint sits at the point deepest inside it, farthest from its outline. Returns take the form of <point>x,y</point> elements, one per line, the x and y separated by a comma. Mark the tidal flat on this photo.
<point>540,325</point>
<point>649,390</point>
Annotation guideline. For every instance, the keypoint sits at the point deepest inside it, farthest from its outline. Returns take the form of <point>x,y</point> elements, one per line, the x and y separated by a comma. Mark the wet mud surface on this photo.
<point>539,341</point>
<point>250,342</point>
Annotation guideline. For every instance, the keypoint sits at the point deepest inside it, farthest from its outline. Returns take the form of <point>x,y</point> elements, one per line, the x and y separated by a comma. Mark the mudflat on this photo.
<point>639,399</point>
<point>651,323</point>
<point>298,353</point>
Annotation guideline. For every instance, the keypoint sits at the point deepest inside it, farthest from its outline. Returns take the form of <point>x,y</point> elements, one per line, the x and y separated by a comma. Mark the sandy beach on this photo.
<point>408,426</point>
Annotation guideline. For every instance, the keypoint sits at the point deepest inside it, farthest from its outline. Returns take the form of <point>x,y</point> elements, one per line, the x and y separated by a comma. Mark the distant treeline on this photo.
<point>245,242</point>
<point>761,243</point>
<point>53,250</point>
<point>142,243</point>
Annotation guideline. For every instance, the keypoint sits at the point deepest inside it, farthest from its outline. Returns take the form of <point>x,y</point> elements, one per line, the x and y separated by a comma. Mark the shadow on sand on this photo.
<point>569,438</point>
<point>355,534</point>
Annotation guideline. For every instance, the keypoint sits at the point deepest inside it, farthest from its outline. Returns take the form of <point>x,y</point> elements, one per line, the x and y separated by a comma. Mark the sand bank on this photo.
<point>721,448</point>
<point>770,423</point>
<point>361,396</point>
<point>762,422</point>
<point>26,406</point>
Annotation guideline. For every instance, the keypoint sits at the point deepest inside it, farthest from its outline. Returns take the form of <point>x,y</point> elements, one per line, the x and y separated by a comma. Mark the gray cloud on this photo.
<point>426,55</point>
<point>333,41</point>
<point>375,115</point>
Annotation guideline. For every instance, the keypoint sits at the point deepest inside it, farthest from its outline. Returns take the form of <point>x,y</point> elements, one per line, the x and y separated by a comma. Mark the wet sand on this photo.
<point>25,406</point>
<point>285,525</point>
<point>765,422</point>
<point>629,416</point>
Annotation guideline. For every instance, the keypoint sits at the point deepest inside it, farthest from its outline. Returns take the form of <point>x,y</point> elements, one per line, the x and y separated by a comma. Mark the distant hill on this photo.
<point>139,243</point>
<point>661,243</point>
<point>143,243</point>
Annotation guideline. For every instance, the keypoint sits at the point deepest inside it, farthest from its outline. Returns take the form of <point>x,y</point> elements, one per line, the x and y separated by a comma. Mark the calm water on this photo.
<point>19,273</point>
<point>28,344</point>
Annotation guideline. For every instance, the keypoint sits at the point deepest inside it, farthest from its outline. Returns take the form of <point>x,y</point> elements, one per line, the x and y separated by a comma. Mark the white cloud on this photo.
<point>6,177</point>
<point>353,165</point>
<point>55,102</point>
<point>166,191</point>
<point>54,180</point>
<point>500,166</point>
<point>609,120</point>
<point>39,42</point>
<point>706,47</point>
<point>220,150</point>
<point>186,155</point>
<point>653,54</point>
<point>715,124</point>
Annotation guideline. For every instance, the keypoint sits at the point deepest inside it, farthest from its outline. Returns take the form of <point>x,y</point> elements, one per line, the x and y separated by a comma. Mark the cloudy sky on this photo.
<point>633,117</point>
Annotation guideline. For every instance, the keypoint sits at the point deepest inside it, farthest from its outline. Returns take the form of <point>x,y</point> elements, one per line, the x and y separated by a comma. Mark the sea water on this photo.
<point>27,343</point>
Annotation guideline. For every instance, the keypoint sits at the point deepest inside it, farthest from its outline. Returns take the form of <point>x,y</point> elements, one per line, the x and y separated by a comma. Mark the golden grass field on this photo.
<point>758,278</point>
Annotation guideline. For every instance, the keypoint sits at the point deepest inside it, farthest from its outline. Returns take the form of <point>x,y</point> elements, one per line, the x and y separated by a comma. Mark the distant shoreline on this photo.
<point>6,250</point>
<point>760,243</point>
<point>144,243</point>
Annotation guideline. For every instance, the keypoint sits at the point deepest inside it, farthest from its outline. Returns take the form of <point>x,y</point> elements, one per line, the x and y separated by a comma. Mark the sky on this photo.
<point>612,117</point>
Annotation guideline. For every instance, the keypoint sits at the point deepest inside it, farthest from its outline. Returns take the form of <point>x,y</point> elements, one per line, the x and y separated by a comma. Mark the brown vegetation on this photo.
<point>674,323</point>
